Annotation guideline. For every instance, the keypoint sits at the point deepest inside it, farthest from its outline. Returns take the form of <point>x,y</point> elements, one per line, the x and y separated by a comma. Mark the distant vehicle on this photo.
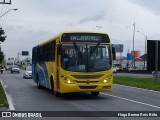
<point>118,66</point>
<point>130,69</point>
<point>154,74</point>
<point>28,72</point>
<point>114,70</point>
<point>1,69</point>
<point>9,65</point>
<point>15,68</point>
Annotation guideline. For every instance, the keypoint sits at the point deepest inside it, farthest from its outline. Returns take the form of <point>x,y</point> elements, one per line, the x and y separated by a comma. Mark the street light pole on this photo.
<point>145,52</point>
<point>133,46</point>
<point>7,12</point>
<point>3,15</point>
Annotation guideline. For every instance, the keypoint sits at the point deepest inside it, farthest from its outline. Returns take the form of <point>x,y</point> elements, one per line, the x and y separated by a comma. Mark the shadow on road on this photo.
<point>76,96</point>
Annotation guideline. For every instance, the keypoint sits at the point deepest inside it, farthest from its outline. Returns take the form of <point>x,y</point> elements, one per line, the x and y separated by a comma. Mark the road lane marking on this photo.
<point>137,88</point>
<point>131,100</point>
<point>9,98</point>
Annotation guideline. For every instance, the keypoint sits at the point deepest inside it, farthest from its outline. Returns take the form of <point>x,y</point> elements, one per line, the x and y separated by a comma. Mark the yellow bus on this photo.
<point>74,62</point>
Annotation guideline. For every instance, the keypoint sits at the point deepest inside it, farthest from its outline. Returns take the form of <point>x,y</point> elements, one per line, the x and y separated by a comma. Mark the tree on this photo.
<point>2,35</point>
<point>1,56</point>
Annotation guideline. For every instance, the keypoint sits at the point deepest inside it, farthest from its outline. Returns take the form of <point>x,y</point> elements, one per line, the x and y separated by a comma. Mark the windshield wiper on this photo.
<point>94,49</point>
<point>77,49</point>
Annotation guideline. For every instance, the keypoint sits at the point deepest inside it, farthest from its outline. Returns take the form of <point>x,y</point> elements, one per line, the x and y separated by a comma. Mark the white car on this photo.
<point>15,68</point>
<point>114,70</point>
<point>28,72</point>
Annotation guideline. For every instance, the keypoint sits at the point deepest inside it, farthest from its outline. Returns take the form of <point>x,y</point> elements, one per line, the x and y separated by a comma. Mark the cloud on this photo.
<point>151,5</point>
<point>38,20</point>
<point>97,17</point>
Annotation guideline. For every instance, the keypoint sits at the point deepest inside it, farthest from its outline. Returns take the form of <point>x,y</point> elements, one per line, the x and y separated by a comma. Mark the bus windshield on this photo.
<point>86,57</point>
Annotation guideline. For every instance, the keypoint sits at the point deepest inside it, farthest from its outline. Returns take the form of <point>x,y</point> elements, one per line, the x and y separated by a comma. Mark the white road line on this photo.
<point>138,88</point>
<point>131,100</point>
<point>9,99</point>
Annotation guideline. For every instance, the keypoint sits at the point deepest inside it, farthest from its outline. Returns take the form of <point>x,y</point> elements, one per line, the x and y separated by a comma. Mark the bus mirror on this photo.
<point>113,53</point>
<point>59,49</point>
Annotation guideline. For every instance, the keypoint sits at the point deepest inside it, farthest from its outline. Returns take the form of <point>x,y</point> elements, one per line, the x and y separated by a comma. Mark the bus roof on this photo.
<point>68,32</point>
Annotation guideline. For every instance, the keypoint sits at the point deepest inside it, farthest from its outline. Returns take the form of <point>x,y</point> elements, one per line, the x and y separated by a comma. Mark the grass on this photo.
<point>22,67</point>
<point>146,83</point>
<point>3,99</point>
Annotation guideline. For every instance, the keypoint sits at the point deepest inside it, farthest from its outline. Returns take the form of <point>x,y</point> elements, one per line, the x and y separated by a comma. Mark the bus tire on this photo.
<point>38,83</point>
<point>94,93</point>
<point>57,94</point>
<point>52,85</point>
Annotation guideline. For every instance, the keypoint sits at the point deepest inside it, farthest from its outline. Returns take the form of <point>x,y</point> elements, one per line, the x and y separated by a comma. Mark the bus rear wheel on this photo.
<point>94,93</point>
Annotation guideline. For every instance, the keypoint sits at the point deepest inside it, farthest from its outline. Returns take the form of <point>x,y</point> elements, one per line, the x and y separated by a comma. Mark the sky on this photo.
<point>38,20</point>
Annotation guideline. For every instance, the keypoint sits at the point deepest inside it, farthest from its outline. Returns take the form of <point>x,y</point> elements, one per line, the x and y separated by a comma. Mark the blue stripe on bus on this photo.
<point>43,74</point>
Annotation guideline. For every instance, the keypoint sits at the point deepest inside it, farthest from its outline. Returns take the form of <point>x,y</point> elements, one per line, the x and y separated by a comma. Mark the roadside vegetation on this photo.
<point>3,99</point>
<point>22,67</point>
<point>146,83</point>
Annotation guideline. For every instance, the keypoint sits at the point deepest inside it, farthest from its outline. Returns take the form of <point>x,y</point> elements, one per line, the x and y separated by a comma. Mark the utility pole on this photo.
<point>145,52</point>
<point>156,61</point>
<point>133,45</point>
<point>4,2</point>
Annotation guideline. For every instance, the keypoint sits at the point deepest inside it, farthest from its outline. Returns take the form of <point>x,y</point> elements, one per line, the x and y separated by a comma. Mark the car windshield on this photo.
<point>86,57</point>
<point>28,69</point>
<point>9,63</point>
<point>14,66</point>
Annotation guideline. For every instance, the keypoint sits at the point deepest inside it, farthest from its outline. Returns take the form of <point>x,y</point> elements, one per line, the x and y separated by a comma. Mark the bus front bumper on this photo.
<point>68,88</point>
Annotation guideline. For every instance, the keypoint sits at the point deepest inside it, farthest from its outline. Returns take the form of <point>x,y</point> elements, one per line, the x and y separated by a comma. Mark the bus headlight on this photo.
<point>107,79</point>
<point>67,80</point>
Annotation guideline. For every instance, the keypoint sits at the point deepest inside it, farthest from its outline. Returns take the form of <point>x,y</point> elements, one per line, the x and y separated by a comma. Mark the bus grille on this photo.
<point>87,81</point>
<point>87,76</point>
<point>87,87</point>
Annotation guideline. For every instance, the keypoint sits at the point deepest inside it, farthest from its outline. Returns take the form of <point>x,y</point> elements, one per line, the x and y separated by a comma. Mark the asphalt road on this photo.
<point>27,97</point>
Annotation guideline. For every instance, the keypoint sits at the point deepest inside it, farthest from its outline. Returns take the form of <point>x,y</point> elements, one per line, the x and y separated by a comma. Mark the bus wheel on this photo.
<point>94,93</point>
<point>57,94</point>
<point>52,85</point>
<point>38,84</point>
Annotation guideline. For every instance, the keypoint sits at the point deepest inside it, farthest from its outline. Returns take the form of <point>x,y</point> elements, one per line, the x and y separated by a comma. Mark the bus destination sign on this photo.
<point>84,37</point>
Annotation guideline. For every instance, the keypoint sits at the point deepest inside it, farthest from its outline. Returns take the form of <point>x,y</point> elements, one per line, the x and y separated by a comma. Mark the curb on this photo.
<point>9,99</point>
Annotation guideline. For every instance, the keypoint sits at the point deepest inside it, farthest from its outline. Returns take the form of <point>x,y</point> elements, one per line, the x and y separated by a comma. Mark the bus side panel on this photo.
<point>34,62</point>
<point>51,71</point>
<point>42,72</point>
